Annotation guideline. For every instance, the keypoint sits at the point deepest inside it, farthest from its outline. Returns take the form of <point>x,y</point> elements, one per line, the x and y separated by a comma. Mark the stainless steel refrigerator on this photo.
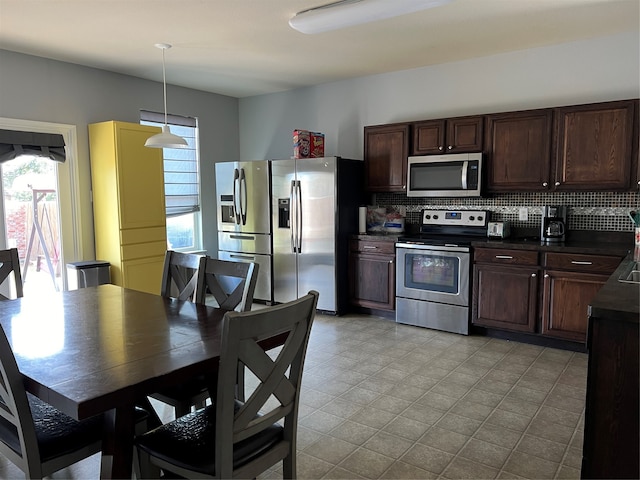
<point>315,209</point>
<point>244,219</point>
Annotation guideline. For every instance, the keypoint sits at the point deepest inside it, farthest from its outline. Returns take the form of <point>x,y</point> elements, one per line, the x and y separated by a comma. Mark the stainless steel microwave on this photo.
<point>453,175</point>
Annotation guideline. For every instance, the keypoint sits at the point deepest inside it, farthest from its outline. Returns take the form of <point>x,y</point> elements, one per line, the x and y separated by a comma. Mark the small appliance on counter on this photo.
<point>498,230</point>
<point>553,225</point>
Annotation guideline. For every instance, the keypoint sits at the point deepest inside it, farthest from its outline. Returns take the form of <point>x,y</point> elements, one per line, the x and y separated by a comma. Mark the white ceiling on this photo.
<point>246,47</point>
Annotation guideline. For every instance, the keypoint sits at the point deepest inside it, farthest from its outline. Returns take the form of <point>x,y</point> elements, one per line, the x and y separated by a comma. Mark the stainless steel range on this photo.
<point>433,270</point>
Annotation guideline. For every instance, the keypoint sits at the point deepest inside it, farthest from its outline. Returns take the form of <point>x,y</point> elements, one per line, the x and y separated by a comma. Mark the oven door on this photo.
<point>435,274</point>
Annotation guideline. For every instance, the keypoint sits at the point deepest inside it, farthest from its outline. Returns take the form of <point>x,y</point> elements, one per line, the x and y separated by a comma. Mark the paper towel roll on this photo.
<point>362,220</point>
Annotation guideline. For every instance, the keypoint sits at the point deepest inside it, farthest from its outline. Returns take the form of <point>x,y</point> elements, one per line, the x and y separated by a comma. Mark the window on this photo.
<point>181,182</point>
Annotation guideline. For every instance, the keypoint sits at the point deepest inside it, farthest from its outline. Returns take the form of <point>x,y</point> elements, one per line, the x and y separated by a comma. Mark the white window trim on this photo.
<point>68,187</point>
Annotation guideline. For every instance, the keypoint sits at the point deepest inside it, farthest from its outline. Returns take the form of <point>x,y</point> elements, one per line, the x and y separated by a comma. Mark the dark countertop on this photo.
<point>618,300</point>
<point>579,242</point>
<point>579,246</point>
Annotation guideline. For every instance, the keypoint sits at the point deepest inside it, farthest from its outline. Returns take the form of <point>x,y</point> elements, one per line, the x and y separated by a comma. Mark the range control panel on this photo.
<point>462,218</point>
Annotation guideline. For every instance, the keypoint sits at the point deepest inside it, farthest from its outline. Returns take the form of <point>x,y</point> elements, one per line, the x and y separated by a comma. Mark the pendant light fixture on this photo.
<point>346,13</point>
<point>166,139</point>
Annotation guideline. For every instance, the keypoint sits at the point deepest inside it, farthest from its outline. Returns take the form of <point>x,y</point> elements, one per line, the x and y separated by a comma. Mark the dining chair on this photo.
<point>232,285</point>
<point>231,438</point>
<point>180,275</point>
<point>10,263</point>
<point>36,437</point>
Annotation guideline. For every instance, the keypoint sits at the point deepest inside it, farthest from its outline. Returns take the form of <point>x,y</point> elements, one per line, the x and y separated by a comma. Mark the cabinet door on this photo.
<point>452,135</point>
<point>566,299</point>
<point>140,179</point>
<point>518,151</point>
<point>505,297</point>
<point>144,274</point>
<point>386,150</point>
<point>465,134</point>
<point>372,281</point>
<point>428,137</point>
<point>595,147</point>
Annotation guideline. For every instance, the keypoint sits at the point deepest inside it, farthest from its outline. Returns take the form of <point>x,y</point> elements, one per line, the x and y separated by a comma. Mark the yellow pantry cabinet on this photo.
<point>128,203</point>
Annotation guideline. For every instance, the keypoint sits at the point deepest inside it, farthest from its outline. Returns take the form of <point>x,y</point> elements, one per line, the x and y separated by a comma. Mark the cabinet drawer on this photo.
<point>505,257</point>
<point>605,264</point>
<point>143,235</point>
<point>143,250</point>
<point>365,246</point>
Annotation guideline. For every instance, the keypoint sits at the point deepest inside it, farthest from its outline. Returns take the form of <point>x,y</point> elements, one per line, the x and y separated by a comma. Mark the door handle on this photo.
<point>292,216</point>
<point>299,215</point>
<point>576,262</point>
<point>244,257</point>
<point>236,196</point>
<point>242,237</point>
<point>243,196</point>
<point>504,257</point>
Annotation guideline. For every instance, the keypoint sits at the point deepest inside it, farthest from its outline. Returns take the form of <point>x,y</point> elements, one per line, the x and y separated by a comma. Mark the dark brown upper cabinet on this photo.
<point>450,135</point>
<point>518,150</point>
<point>386,149</point>
<point>595,147</point>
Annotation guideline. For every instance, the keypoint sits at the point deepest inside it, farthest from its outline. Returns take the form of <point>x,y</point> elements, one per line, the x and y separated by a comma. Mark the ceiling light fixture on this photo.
<point>166,139</point>
<point>346,13</point>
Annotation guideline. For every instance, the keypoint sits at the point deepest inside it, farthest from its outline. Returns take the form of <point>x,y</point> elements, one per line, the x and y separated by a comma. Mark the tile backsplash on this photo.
<point>585,210</point>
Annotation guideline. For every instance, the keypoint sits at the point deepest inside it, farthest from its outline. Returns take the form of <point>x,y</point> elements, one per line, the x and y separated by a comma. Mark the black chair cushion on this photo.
<point>57,433</point>
<point>189,442</point>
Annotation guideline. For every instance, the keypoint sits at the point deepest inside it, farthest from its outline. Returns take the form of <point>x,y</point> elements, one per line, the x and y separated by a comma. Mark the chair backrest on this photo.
<point>180,275</point>
<point>18,440</point>
<point>231,283</point>
<point>9,262</point>
<point>278,378</point>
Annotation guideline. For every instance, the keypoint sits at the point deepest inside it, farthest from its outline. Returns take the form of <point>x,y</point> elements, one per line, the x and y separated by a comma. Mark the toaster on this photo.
<point>498,229</point>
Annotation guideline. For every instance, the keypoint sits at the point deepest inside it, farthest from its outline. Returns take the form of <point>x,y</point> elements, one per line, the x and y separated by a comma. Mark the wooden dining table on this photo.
<point>102,350</point>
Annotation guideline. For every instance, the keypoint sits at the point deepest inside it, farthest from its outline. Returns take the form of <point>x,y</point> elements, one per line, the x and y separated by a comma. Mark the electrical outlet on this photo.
<point>523,214</point>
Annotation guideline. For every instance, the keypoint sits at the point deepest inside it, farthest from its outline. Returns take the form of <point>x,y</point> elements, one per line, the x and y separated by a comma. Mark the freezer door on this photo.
<point>242,190</point>
<point>263,284</point>
<point>285,280</point>
<point>317,244</point>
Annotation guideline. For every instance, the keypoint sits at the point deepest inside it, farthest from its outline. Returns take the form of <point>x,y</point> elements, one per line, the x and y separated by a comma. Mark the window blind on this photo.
<point>181,178</point>
<point>14,143</point>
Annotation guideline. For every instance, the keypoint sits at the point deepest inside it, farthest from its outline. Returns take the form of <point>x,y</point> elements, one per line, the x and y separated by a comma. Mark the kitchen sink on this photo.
<point>631,274</point>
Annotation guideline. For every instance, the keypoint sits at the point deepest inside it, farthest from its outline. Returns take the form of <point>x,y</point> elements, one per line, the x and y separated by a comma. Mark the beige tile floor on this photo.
<point>391,401</point>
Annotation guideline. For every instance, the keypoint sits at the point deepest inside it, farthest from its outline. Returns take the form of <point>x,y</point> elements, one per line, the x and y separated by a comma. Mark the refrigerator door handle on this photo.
<point>299,216</point>
<point>292,216</point>
<point>236,195</point>
<point>243,196</point>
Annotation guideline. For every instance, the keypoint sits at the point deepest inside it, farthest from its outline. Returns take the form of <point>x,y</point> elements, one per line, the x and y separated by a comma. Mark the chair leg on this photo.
<point>289,466</point>
<point>143,467</point>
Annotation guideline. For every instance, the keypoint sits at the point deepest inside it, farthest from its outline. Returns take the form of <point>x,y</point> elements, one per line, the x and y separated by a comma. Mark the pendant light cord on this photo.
<point>164,84</point>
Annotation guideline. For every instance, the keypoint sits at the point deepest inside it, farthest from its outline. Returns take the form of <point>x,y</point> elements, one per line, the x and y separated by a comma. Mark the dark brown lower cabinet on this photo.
<point>372,273</point>
<point>566,300</point>
<point>505,289</point>
<point>611,433</point>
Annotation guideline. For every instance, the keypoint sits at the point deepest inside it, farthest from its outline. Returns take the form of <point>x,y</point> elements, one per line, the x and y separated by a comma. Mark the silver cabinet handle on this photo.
<point>534,275</point>
<point>576,262</point>
<point>242,237</point>
<point>546,275</point>
<point>369,247</point>
<point>442,148</point>
<point>450,147</point>
<point>545,184</point>
<point>505,257</point>
<point>391,261</point>
<point>557,183</point>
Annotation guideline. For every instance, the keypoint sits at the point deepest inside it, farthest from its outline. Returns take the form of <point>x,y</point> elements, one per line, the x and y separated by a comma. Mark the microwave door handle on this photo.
<point>236,196</point>
<point>465,166</point>
<point>243,197</point>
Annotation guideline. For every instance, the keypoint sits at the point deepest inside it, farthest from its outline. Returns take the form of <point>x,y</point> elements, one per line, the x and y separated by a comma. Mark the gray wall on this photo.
<point>33,88</point>
<point>579,72</point>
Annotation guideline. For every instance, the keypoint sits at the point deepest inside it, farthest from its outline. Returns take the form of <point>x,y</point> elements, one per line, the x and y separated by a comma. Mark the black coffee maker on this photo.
<point>554,221</point>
